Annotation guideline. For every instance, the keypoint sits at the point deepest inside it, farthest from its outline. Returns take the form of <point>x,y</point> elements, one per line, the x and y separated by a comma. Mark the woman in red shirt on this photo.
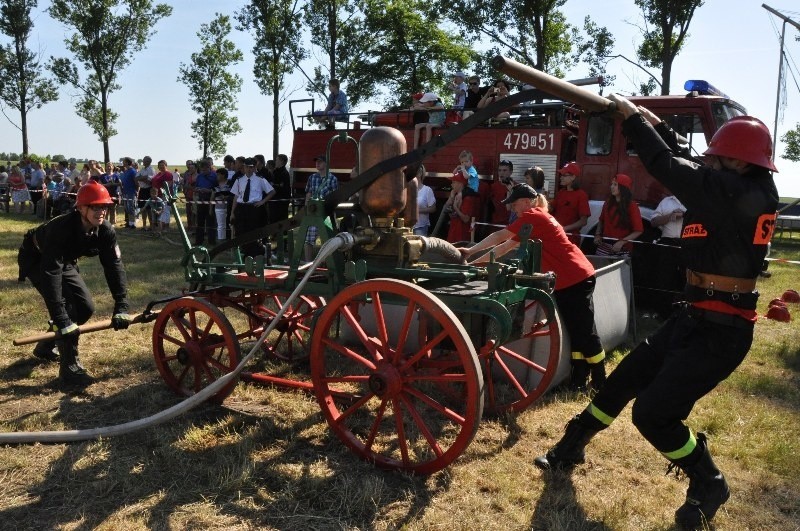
<point>620,221</point>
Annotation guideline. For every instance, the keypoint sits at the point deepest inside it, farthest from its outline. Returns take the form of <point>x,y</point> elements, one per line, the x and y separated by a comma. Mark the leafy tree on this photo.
<point>595,50</point>
<point>275,26</point>
<point>792,141</point>
<point>534,32</point>
<point>665,32</point>
<point>107,36</point>
<point>344,47</point>
<point>212,88</point>
<point>23,86</point>
<point>423,54</point>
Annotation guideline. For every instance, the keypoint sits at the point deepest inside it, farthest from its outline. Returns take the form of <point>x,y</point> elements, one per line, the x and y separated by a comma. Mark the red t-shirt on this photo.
<point>568,207</point>
<point>459,230</point>
<point>612,228</point>
<point>159,179</point>
<point>500,213</point>
<point>559,255</point>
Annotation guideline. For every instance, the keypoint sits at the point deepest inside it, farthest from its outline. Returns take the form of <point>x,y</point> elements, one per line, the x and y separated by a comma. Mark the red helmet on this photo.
<point>779,313</point>
<point>743,138</point>
<point>791,295</point>
<point>93,193</point>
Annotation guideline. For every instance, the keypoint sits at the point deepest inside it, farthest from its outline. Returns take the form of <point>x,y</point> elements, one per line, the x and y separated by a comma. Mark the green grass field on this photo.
<point>265,459</point>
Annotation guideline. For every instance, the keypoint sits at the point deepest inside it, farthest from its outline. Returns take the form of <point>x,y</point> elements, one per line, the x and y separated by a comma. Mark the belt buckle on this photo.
<point>710,289</point>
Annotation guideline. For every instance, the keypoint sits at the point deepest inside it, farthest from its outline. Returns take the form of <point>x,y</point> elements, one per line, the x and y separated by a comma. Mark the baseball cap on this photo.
<point>572,168</point>
<point>320,157</point>
<point>520,191</point>
<point>428,96</point>
<point>249,161</point>
<point>624,180</point>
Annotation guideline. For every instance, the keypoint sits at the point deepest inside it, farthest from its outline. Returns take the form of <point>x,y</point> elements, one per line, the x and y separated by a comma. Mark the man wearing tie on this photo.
<point>252,193</point>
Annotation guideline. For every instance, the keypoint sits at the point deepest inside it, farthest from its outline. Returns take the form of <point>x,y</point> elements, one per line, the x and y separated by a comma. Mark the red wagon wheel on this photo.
<point>379,382</point>
<point>294,329</point>
<point>194,344</point>
<point>520,371</point>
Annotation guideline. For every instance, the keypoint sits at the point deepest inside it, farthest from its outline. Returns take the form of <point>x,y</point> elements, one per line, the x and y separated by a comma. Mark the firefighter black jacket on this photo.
<point>57,245</point>
<point>730,218</point>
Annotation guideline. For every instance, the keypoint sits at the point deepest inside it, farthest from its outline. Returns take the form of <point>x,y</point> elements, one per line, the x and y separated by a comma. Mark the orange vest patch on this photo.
<point>695,230</point>
<point>764,228</point>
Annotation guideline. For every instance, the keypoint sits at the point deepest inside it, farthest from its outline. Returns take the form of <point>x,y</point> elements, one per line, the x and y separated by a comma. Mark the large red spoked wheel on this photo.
<point>386,391</point>
<point>294,329</point>
<point>520,371</point>
<point>194,344</point>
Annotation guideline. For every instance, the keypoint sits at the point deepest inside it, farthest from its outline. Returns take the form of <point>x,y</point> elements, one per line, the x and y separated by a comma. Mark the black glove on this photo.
<point>120,321</point>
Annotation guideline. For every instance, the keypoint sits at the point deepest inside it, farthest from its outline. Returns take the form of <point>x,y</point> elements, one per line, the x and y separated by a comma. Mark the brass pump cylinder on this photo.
<point>386,197</point>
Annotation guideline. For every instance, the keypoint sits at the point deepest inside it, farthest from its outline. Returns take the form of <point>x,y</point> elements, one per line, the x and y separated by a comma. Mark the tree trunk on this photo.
<point>275,118</point>
<point>23,119</point>
<point>104,113</point>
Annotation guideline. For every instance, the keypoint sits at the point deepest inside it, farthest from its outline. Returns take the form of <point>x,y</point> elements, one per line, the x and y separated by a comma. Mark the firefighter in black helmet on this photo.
<point>49,258</point>
<point>731,210</point>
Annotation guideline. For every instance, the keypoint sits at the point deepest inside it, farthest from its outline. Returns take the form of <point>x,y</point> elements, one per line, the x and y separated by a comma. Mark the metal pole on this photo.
<point>778,94</point>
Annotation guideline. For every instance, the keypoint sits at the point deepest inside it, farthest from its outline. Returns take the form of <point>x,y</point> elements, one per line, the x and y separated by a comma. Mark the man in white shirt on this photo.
<point>248,212</point>
<point>426,204</point>
<point>144,178</point>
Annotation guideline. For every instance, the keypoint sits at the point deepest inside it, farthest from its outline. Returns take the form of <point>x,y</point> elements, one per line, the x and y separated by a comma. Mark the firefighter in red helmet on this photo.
<point>731,210</point>
<point>49,258</point>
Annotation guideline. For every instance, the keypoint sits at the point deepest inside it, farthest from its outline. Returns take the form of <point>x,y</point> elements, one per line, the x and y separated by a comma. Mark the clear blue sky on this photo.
<point>734,45</point>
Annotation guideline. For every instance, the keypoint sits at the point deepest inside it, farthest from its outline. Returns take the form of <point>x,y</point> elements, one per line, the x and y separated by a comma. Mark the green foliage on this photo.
<point>212,88</point>
<point>275,26</point>
<point>23,85</point>
<point>595,50</point>
<point>107,35</point>
<point>792,141</point>
<point>664,34</point>
<point>424,54</point>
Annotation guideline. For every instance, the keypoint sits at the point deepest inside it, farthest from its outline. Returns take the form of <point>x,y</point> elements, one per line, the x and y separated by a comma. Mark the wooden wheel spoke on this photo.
<point>423,427</point>
<point>172,340</point>
<point>511,378</point>
<point>355,407</point>
<point>424,351</point>
<point>349,353</point>
<point>433,403</point>
<point>401,432</point>
<point>181,326</point>
<point>405,327</point>
<point>380,321</point>
<point>373,432</point>
<point>522,359</point>
<point>217,364</point>
<point>183,374</point>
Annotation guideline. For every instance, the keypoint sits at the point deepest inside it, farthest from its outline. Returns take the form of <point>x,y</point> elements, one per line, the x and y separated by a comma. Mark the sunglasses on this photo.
<point>98,208</point>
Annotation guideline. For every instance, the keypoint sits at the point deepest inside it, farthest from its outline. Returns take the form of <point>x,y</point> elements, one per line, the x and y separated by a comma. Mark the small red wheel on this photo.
<point>294,329</point>
<point>380,389</point>
<point>520,371</point>
<point>194,344</point>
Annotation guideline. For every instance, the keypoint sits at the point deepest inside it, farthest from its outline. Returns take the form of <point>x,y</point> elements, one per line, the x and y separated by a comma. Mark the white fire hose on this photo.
<point>342,240</point>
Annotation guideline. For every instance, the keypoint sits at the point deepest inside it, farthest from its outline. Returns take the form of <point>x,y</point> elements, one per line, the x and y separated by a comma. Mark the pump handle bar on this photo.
<point>85,328</point>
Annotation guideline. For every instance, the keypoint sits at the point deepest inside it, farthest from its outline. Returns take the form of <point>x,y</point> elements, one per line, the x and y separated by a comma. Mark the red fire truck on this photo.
<point>547,135</point>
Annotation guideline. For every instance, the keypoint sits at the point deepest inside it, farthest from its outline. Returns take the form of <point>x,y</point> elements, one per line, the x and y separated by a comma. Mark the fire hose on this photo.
<point>342,241</point>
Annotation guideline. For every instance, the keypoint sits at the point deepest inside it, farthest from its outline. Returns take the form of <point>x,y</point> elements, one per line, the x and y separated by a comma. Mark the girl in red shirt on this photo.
<point>571,204</point>
<point>620,221</point>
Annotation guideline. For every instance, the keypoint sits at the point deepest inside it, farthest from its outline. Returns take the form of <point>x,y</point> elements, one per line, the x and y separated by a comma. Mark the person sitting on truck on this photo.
<point>459,89</point>
<point>500,90</point>
<point>474,94</point>
<point>337,108</point>
<point>620,221</point>
<point>436,116</point>
<point>575,278</point>
<point>571,204</point>
<point>731,207</point>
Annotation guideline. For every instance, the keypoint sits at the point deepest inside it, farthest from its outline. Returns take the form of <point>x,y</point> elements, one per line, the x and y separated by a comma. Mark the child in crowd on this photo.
<point>436,116</point>
<point>468,171</point>
<point>222,196</point>
<point>155,207</point>
<point>18,188</point>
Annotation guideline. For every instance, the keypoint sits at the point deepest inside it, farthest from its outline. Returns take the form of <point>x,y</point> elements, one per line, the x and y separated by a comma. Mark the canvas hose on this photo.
<point>342,241</point>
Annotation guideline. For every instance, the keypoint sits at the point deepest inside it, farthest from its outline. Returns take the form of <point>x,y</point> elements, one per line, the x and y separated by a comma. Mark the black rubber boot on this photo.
<point>567,452</point>
<point>707,491</point>
<point>46,350</point>
<point>72,371</point>
<point>598,374</point>
<point>579,376</point>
